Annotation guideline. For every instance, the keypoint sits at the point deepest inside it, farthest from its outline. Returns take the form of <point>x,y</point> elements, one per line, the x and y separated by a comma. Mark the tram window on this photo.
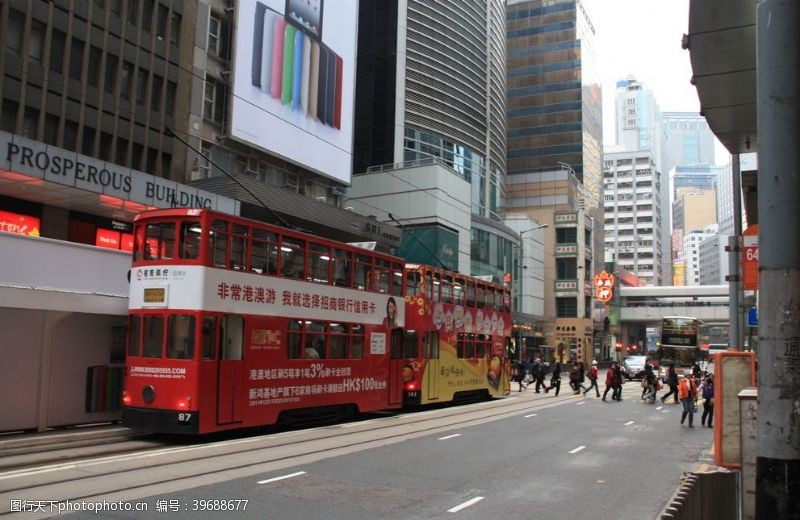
<point>481,346</point>
<point>239,247</point>
<point>469,346</point>
<point>356,342</point>
<point>134,325</point>
<point>436,287</point>
<point>429,286</point>
<point>264,252</point>
<point>412,283</point>
<point>447,289</point>
<point>153,337</point>
<point>470,294</point>
<point>397,280</point>
<point>232,336</point>
<point>481,296</point>
<point>320,257</point>
<point>160,241</point>
<point>506,301</point>
<point>190,240</point>
<point>458,291</point>
<point>341,268</point>
<point>381,276</point>
<point>293,257</point>
<point>294,339</point>
<point>219,243</point>
<point>180,337</point>
<point>362,269</point>
<point>315,340</point>
<point>337,341</point>
<point>490,298</point>
<point>209,336</point>
<point>461,343</point>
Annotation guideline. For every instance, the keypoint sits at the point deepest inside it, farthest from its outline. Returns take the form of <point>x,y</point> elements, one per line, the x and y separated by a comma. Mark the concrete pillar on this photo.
<point>778,107</point>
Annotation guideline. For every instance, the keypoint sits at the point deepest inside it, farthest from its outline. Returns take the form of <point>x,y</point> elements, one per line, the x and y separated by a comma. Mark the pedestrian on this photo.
<point>687,392</point>
<point>610,377</point>
<point>619,379</point>
<point>555,379</point>
<point>538,373</point>
<point>519,375</point>
<point>592,379</point>
<point>672,382</point>
<point>707,393</point>
<point>696,372</point>
<point>649,383</point>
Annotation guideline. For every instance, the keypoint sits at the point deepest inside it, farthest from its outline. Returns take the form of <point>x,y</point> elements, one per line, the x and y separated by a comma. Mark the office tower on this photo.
<point>555,156</point>
<point>638,118</point>
<point>691,251</point>
<point>633,213</point>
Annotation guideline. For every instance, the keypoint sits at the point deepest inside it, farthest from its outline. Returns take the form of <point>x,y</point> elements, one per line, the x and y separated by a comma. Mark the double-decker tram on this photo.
<point>236,323</point>
<point>457,337</point>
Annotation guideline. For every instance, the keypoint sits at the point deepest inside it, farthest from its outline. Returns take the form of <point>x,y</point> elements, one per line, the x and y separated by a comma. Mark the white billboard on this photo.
<point>294,81</point>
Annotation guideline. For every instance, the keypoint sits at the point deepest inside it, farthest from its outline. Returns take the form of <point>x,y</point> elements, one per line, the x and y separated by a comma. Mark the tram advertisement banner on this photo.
<point>218,290</point>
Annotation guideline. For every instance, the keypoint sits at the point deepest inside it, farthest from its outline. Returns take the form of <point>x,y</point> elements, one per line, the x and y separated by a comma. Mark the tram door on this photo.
<point>431,354</point>
<point>231,368</point>
<point>396,366</point>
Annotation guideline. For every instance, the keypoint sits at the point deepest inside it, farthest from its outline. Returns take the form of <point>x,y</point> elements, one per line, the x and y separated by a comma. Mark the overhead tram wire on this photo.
<point>418,240</point>
<point>170,133</point>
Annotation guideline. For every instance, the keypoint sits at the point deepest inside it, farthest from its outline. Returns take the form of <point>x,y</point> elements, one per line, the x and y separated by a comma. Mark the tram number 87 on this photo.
<point>184,417</point>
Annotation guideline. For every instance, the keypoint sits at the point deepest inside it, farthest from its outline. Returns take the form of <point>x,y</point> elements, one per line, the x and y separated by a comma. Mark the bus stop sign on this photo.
<point>752,317</point>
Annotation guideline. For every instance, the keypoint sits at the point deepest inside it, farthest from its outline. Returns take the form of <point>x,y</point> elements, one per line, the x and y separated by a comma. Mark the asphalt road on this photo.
<point>551,458</point>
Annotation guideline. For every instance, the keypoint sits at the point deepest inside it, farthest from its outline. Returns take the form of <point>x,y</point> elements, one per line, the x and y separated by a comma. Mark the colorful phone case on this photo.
<point>288,64</point>
<point>330,89</point>
<point>337,110</point>
<point>322,90</point>
<point>258,44</point>
<point>306,71</point>
<point>297,74</point>
<point>278,37</point>
<point>313,80</point>
<point>266,52</point>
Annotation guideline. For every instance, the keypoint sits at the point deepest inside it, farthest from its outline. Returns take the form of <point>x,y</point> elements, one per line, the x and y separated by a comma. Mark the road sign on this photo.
<point>750,258</point>
<point>752,317</point>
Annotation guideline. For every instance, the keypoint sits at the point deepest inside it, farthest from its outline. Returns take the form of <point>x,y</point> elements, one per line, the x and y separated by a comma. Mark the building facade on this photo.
<point>692,242</point>
<point>638,118</point>
<point>633,214</point>
<point>555,157</point>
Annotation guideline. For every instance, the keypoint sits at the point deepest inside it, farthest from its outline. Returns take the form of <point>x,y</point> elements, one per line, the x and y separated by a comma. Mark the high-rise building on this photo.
<point>430,140</point>
<point>713,260</point>
<point>638,118</point>
<point>555,156</point>
<point>691,251</point>
<point>633,214</point>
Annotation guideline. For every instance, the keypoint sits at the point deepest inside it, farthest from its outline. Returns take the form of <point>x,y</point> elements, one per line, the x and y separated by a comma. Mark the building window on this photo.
<point>76,59</point>
<point>8,119</point>
<point>70,135</point>
<point>106,142</point>
<point>126,80</point>
<point>152,161</point>
<point>218,35</point>
<point>147,14</point>
<point>214,100</point>
<point>133,11</point>
<point>87,146</point>
<point>30,122</point>
<point>14,27</point>
<point>175,29</point>
<point>95,59</point>
<point>203,164</point>
<point>36,42</point>
<point>141,86</point>
<point>51,129</point>
<point>155,96</point>
<point>161,22</point>
<point>122,150</point>
<point>111,73</point>
<point>136,157</point>
<point>57,43</point>
<point>566,308</point>
<point>169,101</point>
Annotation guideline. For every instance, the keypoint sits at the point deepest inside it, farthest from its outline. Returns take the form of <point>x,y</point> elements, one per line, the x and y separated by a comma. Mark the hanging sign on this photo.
<point>603,284</point>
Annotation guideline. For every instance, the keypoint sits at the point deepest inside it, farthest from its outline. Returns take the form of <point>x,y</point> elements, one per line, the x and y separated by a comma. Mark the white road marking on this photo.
<point>628,423</point>
<point>579,448</point>
<point>465,504</point>
<point>530,415</point>
<point>659,407</point>
<point>449,436</point>
<point>582,402</point>
<point>283,477</point>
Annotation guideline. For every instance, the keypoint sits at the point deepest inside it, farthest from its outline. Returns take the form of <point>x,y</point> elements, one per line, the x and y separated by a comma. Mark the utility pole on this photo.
<point>778,115</point>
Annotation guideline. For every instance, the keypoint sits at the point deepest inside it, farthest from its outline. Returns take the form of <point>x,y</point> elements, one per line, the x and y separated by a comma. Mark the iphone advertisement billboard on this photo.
<point>294,81</point>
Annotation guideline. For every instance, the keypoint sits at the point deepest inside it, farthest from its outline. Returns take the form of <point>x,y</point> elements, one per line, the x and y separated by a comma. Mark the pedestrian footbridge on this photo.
<point>709,303</point>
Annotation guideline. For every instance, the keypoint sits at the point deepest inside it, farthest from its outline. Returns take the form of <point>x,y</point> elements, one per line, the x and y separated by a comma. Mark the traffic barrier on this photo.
<point>705,496</point>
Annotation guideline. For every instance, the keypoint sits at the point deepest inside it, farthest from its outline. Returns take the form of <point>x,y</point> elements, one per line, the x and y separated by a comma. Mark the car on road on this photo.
<point>633,366</point>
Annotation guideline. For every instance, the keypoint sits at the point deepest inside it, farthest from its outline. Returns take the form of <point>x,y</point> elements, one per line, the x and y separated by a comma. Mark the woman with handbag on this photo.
<point>707,392</point>
<point>687,393</point>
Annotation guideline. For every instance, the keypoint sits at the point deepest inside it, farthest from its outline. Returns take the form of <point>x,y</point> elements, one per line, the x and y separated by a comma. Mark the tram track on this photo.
<point>157,470</point>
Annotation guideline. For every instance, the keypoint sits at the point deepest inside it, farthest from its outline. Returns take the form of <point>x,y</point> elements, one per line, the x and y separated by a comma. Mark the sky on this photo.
<point>643,38</point>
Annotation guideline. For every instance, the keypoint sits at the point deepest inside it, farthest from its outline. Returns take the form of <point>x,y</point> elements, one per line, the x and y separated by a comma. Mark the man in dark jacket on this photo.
<point>672,382</point>
<point>538,373</point>
<point>555,379</point>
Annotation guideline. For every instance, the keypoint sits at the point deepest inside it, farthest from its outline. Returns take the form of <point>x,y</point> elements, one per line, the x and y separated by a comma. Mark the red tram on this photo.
<point>236,323</point>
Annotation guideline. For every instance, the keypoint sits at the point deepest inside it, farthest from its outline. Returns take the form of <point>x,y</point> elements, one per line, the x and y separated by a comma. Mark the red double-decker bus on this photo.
<point>457,337</point>
<point>236,323</point>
